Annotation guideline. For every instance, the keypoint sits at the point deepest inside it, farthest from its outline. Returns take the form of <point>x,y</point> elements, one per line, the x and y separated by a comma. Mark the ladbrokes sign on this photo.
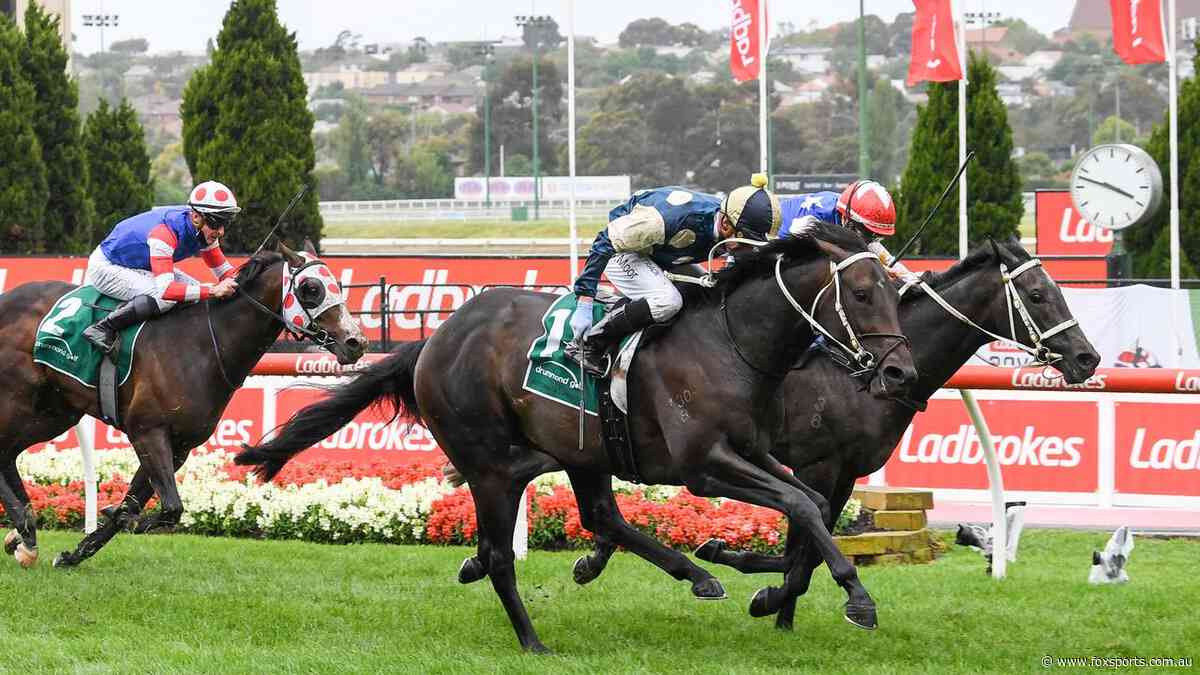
<point>1061,230</point>
<point>1158,448</point>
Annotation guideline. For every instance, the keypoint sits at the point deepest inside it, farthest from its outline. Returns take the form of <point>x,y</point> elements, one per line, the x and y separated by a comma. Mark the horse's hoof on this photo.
<point>708,589</point>
<point>781,624</point>
<point>25,555</point>
<point>709,550</point>
<point>863,616</point>
<point>10,541</point>
<point>538,648</point>
<point>764,603</point>
<point>65,559</point>
<point>471,571</point>
<point>583,571</point>
<point>110,511</point>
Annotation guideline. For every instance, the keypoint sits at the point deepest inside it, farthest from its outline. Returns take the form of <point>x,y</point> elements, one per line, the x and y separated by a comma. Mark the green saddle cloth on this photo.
<point>551,373</point>
<point>60,343</point>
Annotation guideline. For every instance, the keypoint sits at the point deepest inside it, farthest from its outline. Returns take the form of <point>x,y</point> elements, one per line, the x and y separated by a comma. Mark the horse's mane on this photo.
<point>981,255</point>
<point>256,265</point>
<point>752,262</point>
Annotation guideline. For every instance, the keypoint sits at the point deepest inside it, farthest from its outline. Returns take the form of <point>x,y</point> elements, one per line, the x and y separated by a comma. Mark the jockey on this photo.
<point>864,206</point>
<point>657,229</point>
<point>136,262</point>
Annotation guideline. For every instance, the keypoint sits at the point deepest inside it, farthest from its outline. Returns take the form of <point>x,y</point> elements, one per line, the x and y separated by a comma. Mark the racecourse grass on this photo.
<point>186,604</point>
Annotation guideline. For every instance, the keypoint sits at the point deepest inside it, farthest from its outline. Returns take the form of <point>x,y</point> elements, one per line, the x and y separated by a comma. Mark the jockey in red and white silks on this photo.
<point>136,262</point>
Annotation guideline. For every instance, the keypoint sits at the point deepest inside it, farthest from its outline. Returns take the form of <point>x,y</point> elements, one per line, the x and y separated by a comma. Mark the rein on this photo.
<point>1039,351</point>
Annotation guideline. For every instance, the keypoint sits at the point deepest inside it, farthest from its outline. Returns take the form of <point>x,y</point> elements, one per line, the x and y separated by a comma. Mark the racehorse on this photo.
<point>703,401</point>
<point>169,404</point>
<point>834,434</point>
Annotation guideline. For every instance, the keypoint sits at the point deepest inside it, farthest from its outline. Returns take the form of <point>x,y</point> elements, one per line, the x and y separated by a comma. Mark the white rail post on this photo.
<point>85,431</point>
<point>995,484</point>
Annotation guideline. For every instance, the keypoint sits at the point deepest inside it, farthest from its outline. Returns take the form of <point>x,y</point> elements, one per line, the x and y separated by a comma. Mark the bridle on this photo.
<point>1040,352</point>
<point>320,336</point>
<point>859,361</point>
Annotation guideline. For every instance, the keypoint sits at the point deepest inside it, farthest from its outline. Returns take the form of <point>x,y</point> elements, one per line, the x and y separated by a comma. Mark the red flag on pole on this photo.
<point>1138,31</point>
<point>934,51</point>
<point>745,56</point>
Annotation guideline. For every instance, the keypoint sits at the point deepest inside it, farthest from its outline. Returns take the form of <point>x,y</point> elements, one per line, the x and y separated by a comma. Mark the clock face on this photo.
<point>1116,186</point>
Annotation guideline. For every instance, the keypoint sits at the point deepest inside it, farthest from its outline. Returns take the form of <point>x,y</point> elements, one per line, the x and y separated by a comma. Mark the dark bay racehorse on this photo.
<point>833,433</point>
<point>186,368</point>
<point>703,401</point>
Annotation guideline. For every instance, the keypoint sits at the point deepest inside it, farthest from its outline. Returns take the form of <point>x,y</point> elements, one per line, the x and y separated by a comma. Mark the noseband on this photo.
<point>1039,351</point>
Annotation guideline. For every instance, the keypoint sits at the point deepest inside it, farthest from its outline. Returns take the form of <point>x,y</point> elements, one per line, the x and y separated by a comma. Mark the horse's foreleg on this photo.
<point>838,487</point>
<point>730,475</point>
<point>154,451</point>
<point>589,567</point>
<point>117,517</point>
<point>21,542</point>
<point>599,513</point>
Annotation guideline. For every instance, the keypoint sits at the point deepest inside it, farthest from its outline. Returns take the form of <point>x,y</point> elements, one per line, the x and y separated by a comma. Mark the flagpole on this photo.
<point>962,130</point>
<point>574,228</point>
<point>1174,116</point>
<point>762,85</point>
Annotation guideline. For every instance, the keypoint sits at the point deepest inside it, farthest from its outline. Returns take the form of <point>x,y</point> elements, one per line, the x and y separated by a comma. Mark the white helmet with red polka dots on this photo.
<point>868,203</point>
<point>215,201</point>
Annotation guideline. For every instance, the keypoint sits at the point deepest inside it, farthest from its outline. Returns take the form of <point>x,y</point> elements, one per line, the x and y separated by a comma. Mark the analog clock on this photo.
<point>1116,186</point>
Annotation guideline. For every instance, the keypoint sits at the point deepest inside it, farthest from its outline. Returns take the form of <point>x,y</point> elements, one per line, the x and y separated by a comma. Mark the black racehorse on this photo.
<point>703,401</point>
<point>186,368</point>
<point>833,433</point>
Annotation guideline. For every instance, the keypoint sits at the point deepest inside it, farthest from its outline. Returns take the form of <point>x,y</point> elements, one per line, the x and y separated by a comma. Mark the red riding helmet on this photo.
<point>869,204</point>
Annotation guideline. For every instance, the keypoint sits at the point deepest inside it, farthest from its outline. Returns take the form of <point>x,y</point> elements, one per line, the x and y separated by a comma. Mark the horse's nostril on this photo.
<point>894,373</point>
<point>353,343</point>
<point>1088,359</point>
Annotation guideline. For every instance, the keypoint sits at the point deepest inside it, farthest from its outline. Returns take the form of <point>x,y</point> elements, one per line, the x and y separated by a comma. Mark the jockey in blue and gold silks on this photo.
<point>657,229</point>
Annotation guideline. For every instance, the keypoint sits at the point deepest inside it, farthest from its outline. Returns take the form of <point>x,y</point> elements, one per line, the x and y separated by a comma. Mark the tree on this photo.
<point>651,32</point>
<point>131,46</point>
<point>67,223</point>
<point>542,35</point>
<point>23,190</point>
<point>1108,130</point>
<point>994,185</point>
<point>1039,172</point>
<point>246,123</point>
<point>1023,37</point>
<point>1150,242</point>
<point>512,115</point>
<point>115,146</point>
<point>351,140</point>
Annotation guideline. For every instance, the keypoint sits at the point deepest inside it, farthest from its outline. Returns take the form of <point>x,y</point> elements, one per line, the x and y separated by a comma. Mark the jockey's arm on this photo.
<point>162,242</point>
<point>589,279</point>
<point>215,259</point>
<point>898,270</point>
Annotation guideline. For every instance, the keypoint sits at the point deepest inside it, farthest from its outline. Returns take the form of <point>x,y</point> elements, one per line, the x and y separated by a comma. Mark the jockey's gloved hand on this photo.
<point>581,320</point>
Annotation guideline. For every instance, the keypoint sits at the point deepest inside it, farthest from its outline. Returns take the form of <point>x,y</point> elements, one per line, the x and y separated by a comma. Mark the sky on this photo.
<point>186,25</point>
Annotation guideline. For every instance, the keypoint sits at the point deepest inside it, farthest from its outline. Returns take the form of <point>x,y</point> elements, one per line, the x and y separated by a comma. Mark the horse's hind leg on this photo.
<point>599,513</point>
<point>21,542</point>
<point>496,502</point>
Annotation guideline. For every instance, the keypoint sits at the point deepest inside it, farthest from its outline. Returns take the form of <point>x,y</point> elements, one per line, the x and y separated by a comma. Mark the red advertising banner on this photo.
<point>1158,448</point>
<point>934,49</point>
<point>1138,31</point>
<point>1062,230</point>
<point>1042,445</point>
<point>745,53</point>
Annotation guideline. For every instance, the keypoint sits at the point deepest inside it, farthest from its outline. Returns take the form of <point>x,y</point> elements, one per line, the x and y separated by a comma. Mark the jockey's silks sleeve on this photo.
<point>163,242</point>
<point>898,270</point>
<point>802,209</point>
<point>669,225</point>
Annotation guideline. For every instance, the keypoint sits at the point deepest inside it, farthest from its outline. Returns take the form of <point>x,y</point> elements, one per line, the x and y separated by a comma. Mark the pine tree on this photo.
<point>247,124</point>
<point>115,145</point>
<point>993,183</point>
<point>23,191</point>
<point>67,224</point>
<point>1150,242</point>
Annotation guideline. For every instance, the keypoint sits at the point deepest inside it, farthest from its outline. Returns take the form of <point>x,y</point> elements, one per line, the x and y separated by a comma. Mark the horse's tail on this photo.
<point>389,380</point>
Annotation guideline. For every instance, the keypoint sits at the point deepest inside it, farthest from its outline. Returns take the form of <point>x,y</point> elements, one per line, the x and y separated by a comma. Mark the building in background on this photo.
<point>16,10</point>
<point>1094,17</point>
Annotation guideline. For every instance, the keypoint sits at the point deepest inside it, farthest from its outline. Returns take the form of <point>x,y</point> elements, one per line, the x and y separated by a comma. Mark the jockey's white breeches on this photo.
<point>638,277</point>
<point>124,283</point>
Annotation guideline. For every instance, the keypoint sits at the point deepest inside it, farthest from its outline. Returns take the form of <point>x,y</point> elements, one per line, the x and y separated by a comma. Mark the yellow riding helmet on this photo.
<point>753,210</point>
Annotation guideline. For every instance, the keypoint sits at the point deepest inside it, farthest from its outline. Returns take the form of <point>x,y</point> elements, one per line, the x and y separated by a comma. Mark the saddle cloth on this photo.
<point>551,374</point>
<point>60,344</point>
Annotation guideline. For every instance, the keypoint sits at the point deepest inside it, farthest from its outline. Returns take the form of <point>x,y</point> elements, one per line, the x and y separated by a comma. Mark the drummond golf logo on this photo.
<point>58,346</point>
<point>569,380</point>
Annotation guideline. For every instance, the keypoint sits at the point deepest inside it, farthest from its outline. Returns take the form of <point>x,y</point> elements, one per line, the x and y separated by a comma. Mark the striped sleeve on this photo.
<point>215,259</point>
<point>162,243</point>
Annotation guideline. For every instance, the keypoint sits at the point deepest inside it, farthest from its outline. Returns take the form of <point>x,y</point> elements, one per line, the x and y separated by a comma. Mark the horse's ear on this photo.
<point>288,254</point>
<point>831,250</point>
<point>309,248</point>
<point>995,248</point>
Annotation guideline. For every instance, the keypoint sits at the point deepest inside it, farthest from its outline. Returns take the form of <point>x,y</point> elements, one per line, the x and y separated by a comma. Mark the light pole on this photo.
<point>864,118</point>
<point>487,50</point>
<point>535,26</point>
<point>101,21</point>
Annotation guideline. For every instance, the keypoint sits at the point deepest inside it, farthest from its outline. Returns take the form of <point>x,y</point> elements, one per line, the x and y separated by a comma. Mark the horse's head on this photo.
<point>1037,313</point>
<point>310,302</point>
<point>861,311</point>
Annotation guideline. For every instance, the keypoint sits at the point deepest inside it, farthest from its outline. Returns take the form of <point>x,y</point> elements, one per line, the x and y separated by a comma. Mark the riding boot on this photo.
<point>103,333</point>
<point>624,320</point>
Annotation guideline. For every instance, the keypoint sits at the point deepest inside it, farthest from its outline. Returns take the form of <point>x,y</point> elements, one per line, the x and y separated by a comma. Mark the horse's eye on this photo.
<point>860,295</point>
<point>1036,297</point>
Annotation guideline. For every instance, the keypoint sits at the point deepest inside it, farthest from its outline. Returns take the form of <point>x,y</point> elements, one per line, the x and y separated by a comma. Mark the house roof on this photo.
<point>1095,14</point>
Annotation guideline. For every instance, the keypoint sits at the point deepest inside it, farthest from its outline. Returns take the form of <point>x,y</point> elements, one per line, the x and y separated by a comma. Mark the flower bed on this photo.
<point>337,501</point>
